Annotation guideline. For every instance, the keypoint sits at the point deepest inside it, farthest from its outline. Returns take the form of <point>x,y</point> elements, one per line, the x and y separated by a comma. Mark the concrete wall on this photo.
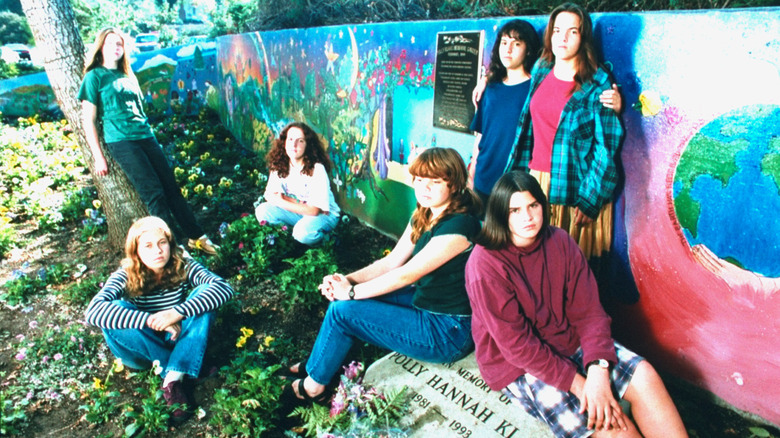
<point>701,163</point>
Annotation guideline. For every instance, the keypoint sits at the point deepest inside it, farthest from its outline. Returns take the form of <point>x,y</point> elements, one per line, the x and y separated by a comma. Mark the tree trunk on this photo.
<point>54,27</point>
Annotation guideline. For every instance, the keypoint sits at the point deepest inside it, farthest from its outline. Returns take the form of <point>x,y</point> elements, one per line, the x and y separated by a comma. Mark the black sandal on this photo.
<point>301,373</point>
<point>290,400</point>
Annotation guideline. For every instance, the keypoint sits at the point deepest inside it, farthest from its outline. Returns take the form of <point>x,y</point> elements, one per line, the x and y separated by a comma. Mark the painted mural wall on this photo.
<point>173,79</point>
<point>697,246</point>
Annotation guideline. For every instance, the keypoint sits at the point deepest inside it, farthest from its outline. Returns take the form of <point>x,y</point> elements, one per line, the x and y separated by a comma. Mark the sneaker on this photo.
<point>204,244</point>
<point>174,394</point>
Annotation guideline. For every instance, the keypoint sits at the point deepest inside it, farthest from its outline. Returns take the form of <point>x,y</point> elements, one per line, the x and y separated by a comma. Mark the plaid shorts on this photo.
<point>560,409</point>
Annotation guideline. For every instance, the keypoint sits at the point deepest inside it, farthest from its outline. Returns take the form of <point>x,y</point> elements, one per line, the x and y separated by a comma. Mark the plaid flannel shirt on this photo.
<point>583,173</point>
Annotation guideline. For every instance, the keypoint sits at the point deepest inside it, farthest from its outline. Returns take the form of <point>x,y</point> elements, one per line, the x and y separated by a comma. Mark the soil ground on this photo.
<point>702,416</point>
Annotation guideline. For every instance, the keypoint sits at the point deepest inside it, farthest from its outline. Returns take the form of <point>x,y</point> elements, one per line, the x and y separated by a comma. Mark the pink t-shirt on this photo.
<point>546,107</point>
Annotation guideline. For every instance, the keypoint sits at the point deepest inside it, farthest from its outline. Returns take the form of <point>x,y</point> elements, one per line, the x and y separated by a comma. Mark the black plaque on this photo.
<point>458,60</point>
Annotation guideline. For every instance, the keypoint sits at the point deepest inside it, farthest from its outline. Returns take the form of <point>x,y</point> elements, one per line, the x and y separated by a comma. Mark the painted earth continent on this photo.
<point>727,188</point>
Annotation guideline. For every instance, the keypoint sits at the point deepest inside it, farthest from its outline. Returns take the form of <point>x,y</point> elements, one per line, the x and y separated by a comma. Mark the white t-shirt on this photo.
<point>312,190</point>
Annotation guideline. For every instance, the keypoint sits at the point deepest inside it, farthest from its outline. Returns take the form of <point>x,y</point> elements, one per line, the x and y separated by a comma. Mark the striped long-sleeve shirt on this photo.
<point>104,312</point>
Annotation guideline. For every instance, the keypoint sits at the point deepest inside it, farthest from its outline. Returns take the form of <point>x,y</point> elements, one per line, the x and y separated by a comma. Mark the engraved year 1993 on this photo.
<point>462,430</point>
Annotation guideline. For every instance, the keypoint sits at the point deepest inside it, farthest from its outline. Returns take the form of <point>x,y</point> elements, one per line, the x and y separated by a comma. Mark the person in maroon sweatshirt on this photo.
<point>541,335</point>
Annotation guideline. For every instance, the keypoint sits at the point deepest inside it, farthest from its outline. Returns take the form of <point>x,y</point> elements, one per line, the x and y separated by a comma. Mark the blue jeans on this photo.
<point>147,169</point>
<point>390,322</point>
<point>309,230</point>
<point>139,348</point>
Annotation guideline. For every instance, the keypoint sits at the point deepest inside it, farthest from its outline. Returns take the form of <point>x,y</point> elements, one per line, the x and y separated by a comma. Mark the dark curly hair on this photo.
<point>519,30</point>
<point>277,159</point>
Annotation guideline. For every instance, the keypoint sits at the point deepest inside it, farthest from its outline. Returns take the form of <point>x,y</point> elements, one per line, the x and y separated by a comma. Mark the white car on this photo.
<point>146,42</point>
<point>13,53</point>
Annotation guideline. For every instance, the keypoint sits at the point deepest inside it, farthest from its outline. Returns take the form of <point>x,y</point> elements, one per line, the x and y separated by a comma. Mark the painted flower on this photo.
<point>96,383</point>
<point>57,356</point>
<point>118,366</point>
<point>33,324</point>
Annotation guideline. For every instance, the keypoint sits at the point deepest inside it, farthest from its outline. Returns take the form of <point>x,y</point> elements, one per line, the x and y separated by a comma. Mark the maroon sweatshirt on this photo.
<point>532,308</point>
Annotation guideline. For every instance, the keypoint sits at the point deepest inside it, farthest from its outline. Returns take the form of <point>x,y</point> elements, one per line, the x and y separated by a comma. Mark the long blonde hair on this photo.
<point>447,164</point>
<point>95,54</point>
<point>141,279</point>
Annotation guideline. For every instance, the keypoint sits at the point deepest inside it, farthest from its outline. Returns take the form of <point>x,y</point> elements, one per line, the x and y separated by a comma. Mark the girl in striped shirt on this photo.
<point>159,306</point>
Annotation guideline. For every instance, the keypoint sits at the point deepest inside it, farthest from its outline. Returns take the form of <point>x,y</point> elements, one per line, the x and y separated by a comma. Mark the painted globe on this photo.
<point>727,188</point>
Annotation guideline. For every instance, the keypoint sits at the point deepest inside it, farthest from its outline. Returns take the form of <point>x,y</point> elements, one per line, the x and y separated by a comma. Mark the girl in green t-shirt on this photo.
<point>111,98</point>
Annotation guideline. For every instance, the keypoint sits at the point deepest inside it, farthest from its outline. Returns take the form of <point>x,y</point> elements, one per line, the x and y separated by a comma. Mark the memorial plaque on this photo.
<point>458,61</point>
<point>452,400</point>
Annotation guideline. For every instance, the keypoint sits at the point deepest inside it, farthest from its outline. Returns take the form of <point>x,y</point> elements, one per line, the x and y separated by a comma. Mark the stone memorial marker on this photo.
<point>458,60</point>
<point>452,400</point>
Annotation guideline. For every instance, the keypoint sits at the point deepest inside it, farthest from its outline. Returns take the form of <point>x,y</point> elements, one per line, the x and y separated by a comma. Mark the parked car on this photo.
<point>146,42</point>
<point>195,39</point>
<point>12,53</point>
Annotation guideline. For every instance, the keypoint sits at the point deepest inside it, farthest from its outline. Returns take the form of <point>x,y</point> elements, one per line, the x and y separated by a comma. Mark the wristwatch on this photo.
<point>602,363</point>
<point>352,292</point>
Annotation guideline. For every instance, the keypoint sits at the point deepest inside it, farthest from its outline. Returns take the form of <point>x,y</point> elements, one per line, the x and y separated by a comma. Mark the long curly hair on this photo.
<point>447,164</point>
<point>95,54</point>
<point>520,30</point>
<point>495,232</point>
<point>586,61</point>
<point>141,279</point>
<point>277,159</point>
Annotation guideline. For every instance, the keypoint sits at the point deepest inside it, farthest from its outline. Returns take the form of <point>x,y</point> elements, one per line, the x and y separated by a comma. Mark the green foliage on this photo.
<point>19,288</point>
<point>44,359</point>
<point>7,237</point>
<point>299,282</point>
<point>235,16</point>
<point>759,432</point>
<point>153,414</point>
<point>132,16</point>
<point>35,160</point>
<point>258,247</point>
<point>12,415</point>
<point>14,29</point>
<point>356,410</point>
<point>246,405</point>
<point>23,284</point>
<point>82,290</point>
<point>101,402</point>
<point>8,70</point>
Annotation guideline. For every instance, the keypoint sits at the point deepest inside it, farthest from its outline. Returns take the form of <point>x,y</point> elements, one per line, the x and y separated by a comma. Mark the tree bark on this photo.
<point>54,28</point>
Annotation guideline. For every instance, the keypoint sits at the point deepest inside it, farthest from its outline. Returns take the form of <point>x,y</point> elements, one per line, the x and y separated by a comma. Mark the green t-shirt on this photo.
<point>119,104</point>
<point>444,290</point>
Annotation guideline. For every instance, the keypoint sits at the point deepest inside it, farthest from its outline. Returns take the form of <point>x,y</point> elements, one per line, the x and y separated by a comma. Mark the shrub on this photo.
<point>246,405</point>
<point>299,282</point>
<point>260,248</point>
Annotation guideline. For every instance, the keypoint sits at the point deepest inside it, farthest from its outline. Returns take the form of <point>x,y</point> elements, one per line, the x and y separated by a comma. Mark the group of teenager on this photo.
<point>517,288</point>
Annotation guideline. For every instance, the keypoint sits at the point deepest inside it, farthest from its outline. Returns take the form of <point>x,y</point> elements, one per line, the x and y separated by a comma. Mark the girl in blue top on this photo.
<point>500,103</point>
